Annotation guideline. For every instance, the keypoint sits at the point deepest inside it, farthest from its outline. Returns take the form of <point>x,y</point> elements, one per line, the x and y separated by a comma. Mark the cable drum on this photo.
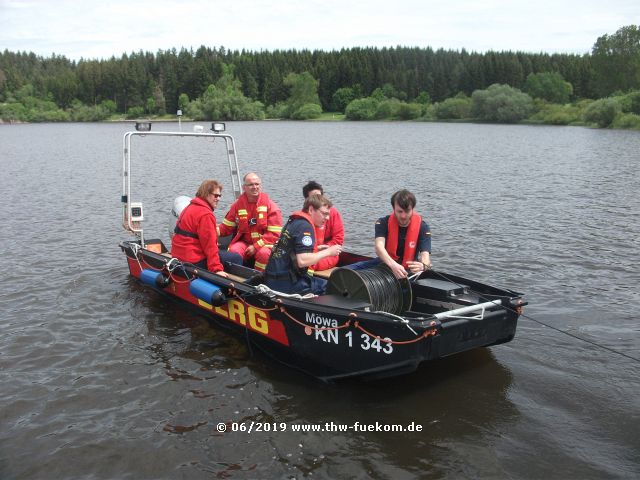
<point>377,286</point>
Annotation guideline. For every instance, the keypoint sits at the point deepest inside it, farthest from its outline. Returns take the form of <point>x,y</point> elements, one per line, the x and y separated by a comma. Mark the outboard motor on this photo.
<point>179,204</point>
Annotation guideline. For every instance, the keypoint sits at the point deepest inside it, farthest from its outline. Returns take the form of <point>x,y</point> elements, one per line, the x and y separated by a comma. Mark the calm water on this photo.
<point>101,378</point>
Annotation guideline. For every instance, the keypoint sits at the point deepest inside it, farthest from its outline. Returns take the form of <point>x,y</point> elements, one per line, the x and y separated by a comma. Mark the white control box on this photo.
<point>136,211</point>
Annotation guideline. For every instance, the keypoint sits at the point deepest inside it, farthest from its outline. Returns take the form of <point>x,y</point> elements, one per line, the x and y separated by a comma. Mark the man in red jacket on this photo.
<point>256,222</point>
<point>195,238</point>
<point>332,233</point>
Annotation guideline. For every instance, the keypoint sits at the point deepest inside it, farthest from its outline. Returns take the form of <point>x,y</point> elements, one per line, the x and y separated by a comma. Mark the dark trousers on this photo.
<point>231,257</point>
<point>224,257</point>
<point>304,285</point>
<point>364,264</point>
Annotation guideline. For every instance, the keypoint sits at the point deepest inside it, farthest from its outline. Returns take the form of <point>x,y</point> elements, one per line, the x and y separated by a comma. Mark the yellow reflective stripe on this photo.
<point>262,208</point>
<point>228,223</point>
<point>310,271</point>
<point>242,213</point>
<point>204,304</point>
<point>259,266</point>
<point>260,243</point>
<point>255,235</point>
<point>274,228</point>
<point>261,215</point>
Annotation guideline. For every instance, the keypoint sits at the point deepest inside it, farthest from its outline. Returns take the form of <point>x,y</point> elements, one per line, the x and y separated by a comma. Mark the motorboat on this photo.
<point>368,324</point>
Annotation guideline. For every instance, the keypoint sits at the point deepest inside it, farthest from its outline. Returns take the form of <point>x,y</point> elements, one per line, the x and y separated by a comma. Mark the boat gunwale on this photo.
<point>423,322</point>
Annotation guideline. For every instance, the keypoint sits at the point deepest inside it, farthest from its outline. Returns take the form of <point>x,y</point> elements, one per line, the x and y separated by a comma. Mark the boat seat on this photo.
<point>324,273</point>
<point>235,278</point>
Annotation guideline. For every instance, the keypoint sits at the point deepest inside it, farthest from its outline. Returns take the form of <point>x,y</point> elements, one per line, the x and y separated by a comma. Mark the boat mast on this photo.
<point>132,213</point>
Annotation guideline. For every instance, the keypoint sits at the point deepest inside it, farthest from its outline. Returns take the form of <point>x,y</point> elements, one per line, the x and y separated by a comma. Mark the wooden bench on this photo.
<point>324,273</point>
<point>235,278</point>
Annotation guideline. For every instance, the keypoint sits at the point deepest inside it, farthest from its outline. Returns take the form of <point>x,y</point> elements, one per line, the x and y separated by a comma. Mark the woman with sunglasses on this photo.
<point>195,238</point>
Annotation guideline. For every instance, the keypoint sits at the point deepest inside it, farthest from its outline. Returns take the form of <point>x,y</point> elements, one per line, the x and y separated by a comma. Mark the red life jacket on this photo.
<point>307,217</point>
<point>262,207</point>
<point>410,242</point>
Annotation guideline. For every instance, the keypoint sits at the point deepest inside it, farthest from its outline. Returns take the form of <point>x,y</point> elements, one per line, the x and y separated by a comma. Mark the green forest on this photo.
<point>601,88</point>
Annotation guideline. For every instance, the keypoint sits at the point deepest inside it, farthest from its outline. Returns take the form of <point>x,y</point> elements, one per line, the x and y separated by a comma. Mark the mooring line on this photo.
<point>595,344</point>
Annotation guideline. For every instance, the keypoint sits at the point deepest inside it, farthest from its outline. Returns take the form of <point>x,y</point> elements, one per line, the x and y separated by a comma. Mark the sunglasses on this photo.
<point>217,195</point>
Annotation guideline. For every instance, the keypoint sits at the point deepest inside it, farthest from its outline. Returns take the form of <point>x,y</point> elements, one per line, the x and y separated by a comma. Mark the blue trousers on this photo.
<point>364,264</point>
<point>224,257</point>
<point>313,285</point>
<point>231,257</point>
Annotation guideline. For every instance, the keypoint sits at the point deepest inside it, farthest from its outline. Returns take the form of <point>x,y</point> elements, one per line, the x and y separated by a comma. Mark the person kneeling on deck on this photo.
<point>255,220</point>
<point>288,270</point>
<point>332,233</point>
<point>402,239</point>
<point>195,238</point>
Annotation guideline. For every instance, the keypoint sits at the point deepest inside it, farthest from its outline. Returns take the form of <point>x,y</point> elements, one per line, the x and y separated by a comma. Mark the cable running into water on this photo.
<point>604,347</point>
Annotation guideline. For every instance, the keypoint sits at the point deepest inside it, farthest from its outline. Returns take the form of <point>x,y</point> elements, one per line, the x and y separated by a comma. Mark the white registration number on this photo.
<point>364,341</point>
<point>370,343</point>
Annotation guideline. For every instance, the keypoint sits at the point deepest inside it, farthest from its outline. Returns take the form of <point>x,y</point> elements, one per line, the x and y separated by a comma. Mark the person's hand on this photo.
<point>417,267</point>
<point>414,267</point>
<point>251,251</point>
<point>222,273</point>
<point>334,250</point>
<point>322,247</point>
<point>398,270</point>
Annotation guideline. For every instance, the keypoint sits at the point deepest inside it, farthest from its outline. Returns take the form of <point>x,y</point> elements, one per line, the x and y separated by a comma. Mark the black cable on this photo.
<point>248,340</point>
<point>384,289</point>
<point>612,350</point>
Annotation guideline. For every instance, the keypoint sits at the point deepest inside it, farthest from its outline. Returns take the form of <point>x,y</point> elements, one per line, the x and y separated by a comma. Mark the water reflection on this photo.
<point>176,330</point>
<point>456,398</point>
<point>454,401</point>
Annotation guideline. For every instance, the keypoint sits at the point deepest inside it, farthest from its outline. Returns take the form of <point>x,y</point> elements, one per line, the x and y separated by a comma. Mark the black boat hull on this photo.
<point>331,337</point>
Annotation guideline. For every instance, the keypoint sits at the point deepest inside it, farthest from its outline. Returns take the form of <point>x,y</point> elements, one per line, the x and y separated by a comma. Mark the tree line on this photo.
<point>264,82</point>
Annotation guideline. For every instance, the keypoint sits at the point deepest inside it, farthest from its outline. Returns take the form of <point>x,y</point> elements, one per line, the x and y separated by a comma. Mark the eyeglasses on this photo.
<point>217,195</point>
<point>325,213</point>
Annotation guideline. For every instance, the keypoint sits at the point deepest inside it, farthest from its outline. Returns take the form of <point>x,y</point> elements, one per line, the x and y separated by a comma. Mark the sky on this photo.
<point>92,29</point>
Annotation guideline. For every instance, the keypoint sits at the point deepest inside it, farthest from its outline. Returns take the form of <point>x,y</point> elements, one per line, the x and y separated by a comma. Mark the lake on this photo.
<point>103,378</point>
